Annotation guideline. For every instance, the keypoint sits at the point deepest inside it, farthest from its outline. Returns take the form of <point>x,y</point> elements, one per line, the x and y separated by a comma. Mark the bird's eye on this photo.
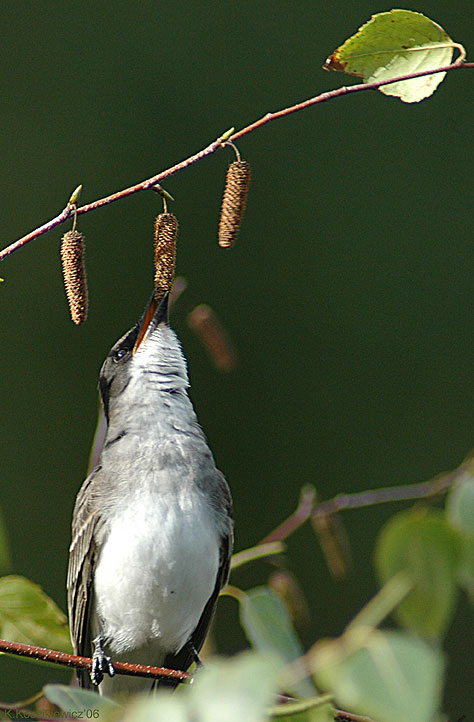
<point>120,354</point>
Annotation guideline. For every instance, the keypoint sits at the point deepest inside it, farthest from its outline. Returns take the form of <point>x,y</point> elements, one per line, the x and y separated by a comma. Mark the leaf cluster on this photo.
<point>423,558</point>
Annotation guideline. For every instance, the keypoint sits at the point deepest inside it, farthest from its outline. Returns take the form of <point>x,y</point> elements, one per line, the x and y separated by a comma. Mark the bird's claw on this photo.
<point>101,663</point>
<point>195,654</point>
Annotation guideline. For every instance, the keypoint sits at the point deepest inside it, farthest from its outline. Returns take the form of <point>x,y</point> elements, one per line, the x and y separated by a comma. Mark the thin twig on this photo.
<point>342,716</point>
<point>295,520</point>
<point>339,92</point>
<point>387,494</point>
<point>144,185</point>
<point>219,143</point>
<point>48,226</point>
<point>71,660</point>
<point>307,508</point>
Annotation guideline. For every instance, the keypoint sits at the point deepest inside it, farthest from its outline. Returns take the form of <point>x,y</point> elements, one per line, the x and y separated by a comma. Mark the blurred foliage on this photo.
<point>389,675</point>
<point>29,616</point>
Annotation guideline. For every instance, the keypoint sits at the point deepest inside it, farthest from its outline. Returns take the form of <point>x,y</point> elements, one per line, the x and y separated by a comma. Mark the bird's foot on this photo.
<point>195,654</point>
<point>101,663</point>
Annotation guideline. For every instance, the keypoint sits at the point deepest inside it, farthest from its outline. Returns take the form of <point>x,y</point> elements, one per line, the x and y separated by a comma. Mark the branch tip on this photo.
<point>75,196</point>
<point>225,136</point>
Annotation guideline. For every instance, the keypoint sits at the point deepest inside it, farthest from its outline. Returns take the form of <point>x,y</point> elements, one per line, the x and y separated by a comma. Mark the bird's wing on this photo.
<point>185,657</point>
<point>82,556</point>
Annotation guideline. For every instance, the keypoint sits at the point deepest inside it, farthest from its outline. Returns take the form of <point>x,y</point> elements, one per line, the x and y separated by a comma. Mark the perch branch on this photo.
<point>71,660</point>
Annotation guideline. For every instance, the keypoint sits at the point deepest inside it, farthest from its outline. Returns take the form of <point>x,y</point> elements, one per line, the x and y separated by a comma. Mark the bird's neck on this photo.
<point>157,414</point>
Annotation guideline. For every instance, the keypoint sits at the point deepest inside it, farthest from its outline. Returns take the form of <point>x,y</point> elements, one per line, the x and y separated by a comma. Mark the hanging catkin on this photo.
<point>166,232</point>
<point>233,202</point>
<point>74,272</point>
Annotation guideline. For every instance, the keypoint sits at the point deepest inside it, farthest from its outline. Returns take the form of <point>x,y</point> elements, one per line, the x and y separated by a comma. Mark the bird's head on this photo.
<point>146,360</point>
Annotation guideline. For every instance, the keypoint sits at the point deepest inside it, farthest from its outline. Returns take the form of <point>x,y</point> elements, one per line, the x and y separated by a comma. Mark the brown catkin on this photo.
<point>74,272</point>
<point>233,202</point>
<point>166,232</point>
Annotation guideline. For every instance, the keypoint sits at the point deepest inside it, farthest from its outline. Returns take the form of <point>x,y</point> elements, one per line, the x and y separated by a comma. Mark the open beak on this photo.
<point>155,314</point>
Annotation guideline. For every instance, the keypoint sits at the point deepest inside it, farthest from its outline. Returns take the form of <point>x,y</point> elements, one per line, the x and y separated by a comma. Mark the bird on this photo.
<point>152,529</point>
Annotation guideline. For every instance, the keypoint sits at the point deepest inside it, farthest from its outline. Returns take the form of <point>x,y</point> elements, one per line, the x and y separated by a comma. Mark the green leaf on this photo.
<point>315,709</point>
<point>234,690</point>
<point>392,677</point>
<point>466,568</point>
<point>84,702</point>
<point>159,708</point>
<point>460,504</point>
<point>396,43</point>
<point>29,616</point>
<point>427,549</point>
<point>268,627</point>
<point>460,511</point>
<point>385,601</point>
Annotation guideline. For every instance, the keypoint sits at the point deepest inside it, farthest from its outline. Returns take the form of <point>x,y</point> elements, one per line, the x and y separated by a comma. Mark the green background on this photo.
<point>348,295</point>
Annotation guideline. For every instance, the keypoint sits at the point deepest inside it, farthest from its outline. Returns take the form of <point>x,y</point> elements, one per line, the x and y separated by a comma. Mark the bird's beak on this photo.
<point>155,314</point>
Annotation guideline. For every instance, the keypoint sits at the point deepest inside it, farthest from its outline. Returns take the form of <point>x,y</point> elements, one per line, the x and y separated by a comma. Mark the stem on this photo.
<point>261,551</point>
<point>216,145</point>
<point>71,660</point>
<point>339,92</point>
<point>295,520</point>
<point>385,601</point>
<point>342,716</point>
<point>405,492</point>
<point>48,226</point>
<point>150,182</point>
<point>307,508</point>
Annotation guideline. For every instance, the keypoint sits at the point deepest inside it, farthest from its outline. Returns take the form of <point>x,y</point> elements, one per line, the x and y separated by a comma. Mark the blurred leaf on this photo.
<point>77,701</point>
<point>466,568</point>
<point>286,585</point>
<point>260,551</point>
<point>460,504</point>
<point>392,677</point>
<point>334,541</point>
<point>460,511</point>
<point>29,616</point>
<point>268,627</point>
<point>385,601</point>
<point>395,43</point>
<point>232,690</point>
<point>425,547</point>
<point>5,564</point>
<point>316,709</point>
<point>162,708</point>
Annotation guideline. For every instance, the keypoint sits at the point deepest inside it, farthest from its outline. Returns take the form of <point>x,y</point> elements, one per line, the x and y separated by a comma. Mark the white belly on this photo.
<point>156,570</point>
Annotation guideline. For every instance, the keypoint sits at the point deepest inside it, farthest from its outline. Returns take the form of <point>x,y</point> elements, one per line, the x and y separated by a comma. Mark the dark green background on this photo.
<point>348,295</point>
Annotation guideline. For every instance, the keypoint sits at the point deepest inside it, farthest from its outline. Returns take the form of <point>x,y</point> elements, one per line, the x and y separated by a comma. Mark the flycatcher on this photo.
<point>152,525</point>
